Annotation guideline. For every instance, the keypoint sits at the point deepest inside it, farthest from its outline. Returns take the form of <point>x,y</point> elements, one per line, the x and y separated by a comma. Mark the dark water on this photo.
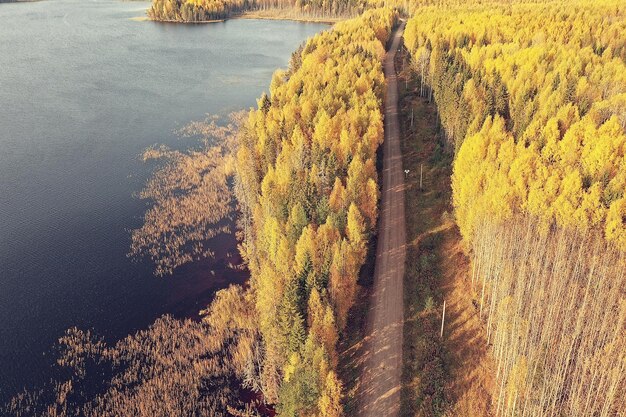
<point>83,90</point>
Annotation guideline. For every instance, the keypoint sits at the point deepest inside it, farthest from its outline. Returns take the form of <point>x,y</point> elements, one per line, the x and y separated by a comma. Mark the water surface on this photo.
<point>83,90</point>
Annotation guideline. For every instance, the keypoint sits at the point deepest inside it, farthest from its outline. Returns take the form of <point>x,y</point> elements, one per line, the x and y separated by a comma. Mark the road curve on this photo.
<point>380,383</point>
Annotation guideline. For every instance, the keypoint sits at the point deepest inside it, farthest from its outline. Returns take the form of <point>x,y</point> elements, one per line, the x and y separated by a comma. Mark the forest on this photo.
<point>530,102</point>
<point>302,169</point>
<point>531,98</point>
<point>208,10</point>
<point>306,184</point>
<point>195,10</point>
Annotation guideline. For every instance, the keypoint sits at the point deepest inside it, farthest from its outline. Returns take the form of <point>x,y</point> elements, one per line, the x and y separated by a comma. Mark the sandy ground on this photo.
<point>380,387</point>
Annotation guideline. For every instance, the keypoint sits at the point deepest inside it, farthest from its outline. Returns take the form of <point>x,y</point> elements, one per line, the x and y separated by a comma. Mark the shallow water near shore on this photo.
<point>83,90</point>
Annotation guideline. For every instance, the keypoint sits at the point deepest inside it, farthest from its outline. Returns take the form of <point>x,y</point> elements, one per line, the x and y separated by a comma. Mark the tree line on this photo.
<point>307,186</point>
<point>531,97</point>
<point>195,10</point>
<point>207,10</point>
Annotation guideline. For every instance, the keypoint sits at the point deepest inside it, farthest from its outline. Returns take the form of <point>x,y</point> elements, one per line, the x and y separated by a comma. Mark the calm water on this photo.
<point>83,90</point>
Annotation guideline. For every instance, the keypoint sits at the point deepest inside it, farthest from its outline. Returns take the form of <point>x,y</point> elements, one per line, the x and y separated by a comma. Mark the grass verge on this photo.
<point>447,375</point>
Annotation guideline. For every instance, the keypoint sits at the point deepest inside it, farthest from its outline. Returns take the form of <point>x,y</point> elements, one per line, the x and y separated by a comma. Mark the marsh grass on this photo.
<point>189,196</point>
<point>176,368</point>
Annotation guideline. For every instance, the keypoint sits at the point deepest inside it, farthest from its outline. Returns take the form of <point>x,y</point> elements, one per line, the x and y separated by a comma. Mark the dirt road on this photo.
<point>380,385</point>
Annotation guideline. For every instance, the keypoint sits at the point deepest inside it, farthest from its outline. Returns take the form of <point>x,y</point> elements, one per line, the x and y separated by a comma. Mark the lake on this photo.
<point>83,90</point>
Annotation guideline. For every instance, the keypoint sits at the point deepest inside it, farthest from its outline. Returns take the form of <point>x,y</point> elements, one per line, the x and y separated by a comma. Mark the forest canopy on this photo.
<point>307,185</point>
<point>531,97</point>
<point>208,10</point>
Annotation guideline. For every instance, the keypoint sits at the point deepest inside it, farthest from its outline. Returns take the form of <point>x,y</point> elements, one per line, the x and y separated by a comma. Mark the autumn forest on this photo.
<point>507,269</point>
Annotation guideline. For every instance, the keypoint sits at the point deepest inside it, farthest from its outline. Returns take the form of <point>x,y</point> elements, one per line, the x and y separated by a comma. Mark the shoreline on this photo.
<point>251,15</point>
<point>149,19</point>
<point>305,19</point>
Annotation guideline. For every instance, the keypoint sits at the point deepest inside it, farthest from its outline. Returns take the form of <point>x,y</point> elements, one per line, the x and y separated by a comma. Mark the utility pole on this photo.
<point>421,171</point>
<point>443,317</point>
